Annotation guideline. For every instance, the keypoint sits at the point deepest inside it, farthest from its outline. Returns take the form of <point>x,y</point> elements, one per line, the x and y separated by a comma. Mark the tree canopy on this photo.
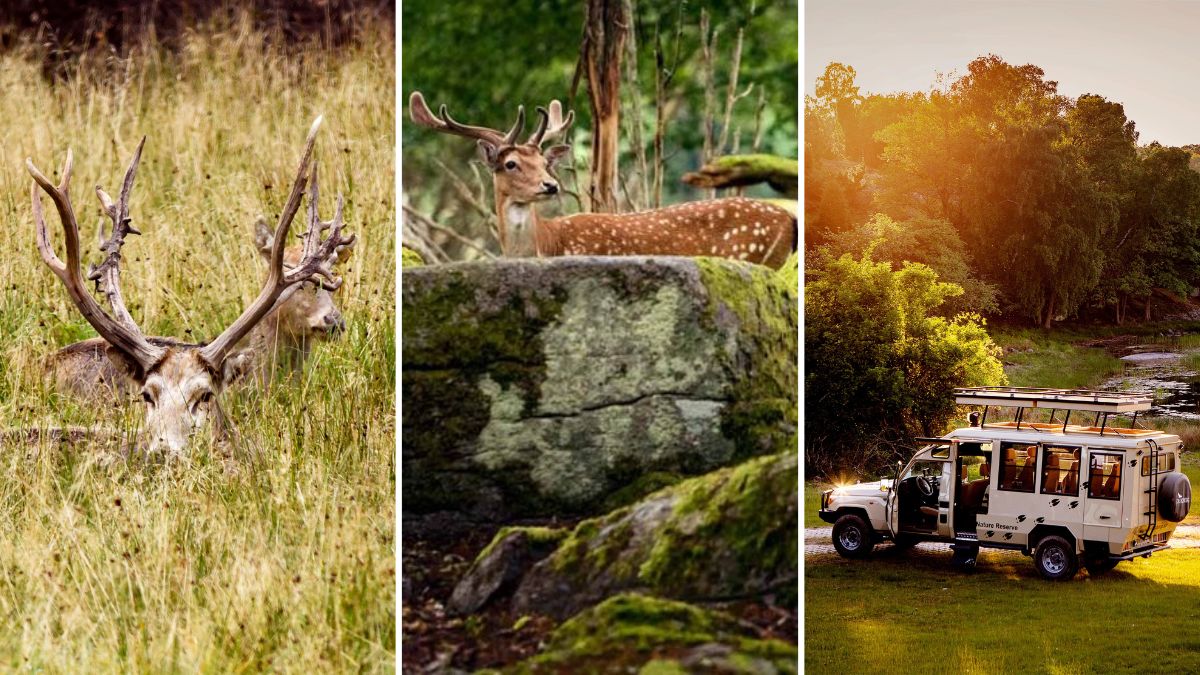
<point>1057,208</point>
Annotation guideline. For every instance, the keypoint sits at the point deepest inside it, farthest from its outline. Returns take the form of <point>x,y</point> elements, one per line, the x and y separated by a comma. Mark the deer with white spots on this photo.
<point>735,227</point>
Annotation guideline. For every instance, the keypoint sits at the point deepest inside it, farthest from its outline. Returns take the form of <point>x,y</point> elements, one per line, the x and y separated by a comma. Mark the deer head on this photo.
<point>310,312</point>
<point>181,383</point>
<point>521,172</point>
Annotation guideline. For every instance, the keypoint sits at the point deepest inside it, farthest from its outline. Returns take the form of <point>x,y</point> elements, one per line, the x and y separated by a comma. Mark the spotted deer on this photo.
<point>282,341</point>
<point>736,227</point>
<point>181,382</point>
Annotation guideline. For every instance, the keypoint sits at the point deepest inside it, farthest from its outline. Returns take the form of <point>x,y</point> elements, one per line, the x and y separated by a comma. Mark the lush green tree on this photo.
<point>930,241</point>
<point>881,365</point>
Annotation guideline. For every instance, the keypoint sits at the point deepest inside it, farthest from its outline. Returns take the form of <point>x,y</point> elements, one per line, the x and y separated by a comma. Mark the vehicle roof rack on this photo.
<point>1059,399</point>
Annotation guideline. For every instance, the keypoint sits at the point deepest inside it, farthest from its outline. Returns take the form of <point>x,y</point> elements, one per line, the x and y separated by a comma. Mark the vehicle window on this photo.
<point>1166,462</point>
<point>1018,463</point>
<point>1104,477</point>
<point>942,451</point>
<point>924,468</point>
<point>1060,470</point>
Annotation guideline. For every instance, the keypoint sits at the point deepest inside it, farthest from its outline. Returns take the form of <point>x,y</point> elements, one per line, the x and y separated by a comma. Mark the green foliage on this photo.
<point>880,365</point>
<point>930,241</point>
<point>483,60</point>
<point>1061,210</point>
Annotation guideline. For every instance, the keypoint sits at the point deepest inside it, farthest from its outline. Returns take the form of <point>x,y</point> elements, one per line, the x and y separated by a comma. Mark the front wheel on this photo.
<point>1055,558</point>
<point>852,537</point>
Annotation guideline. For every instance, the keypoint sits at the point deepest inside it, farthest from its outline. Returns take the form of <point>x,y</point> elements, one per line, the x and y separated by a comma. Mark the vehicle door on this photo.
<point>919,500</point>
<point>1102,503</point>
<point>1013,502</point>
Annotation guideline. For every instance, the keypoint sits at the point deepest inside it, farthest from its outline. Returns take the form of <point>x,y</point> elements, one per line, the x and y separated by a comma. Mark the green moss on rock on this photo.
<point>763,416</point>
<point>729,533</point>
<point>631,631</point>
<point>410,258</point>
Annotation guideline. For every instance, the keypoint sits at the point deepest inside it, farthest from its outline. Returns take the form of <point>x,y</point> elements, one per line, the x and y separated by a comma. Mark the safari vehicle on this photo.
<point>1064,493</point>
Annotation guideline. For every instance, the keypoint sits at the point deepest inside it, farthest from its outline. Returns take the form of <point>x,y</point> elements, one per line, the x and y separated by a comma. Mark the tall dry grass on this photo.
<point>284,558</point>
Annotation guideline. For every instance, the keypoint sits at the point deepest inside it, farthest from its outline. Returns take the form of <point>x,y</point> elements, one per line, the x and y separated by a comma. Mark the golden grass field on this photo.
<point>284,558</point>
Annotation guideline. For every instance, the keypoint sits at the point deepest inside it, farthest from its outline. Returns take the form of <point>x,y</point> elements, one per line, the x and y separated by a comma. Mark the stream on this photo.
<point>1163,369</point>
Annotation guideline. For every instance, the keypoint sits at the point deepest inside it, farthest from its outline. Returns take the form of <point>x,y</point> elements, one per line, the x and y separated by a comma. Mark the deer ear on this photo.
<point>488,153</point>
<point>556,153</point>
<point>127,366</point>
<point>236,366</point>
<point>264,238</point>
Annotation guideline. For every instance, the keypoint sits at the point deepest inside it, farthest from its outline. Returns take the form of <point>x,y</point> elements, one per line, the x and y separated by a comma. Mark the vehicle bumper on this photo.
<point>828,516</point>
<point>1140,552</point>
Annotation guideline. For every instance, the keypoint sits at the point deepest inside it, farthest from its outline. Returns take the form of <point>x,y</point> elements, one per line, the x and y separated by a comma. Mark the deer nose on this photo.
<point>550,188</point>
<point>335,323</point>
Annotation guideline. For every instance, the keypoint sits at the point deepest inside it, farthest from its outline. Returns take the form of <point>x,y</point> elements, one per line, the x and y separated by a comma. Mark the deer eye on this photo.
<point>510,165</point>
<point>206,397</point>
<point>147,398</point>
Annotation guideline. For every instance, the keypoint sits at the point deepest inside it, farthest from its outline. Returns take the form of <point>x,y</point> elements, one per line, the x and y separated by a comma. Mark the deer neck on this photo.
<point>523,234</point>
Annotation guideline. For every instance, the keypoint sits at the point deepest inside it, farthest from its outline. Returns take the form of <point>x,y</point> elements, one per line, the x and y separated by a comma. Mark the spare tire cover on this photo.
<point>1174,497</point>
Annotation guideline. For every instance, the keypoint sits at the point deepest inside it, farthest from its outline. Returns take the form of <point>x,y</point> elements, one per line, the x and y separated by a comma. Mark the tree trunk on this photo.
<point>1148,297</point>
<point>1049,313</point>
<point>605,30</point>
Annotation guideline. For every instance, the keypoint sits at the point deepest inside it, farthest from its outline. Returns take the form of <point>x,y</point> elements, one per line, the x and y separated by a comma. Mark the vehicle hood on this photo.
<point>872,489</point>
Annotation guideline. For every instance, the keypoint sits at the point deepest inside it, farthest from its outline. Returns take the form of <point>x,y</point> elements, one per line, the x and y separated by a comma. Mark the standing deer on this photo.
<point>744,229</point>
<point>281,341</point>
<point>181,382</point>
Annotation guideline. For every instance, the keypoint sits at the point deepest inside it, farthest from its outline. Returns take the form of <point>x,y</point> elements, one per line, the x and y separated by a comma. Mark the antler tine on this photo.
<point>551,124</point>
<point>318,259</point>
<point>107,274</point>
<point>126,338</point>
<point>420,113</point>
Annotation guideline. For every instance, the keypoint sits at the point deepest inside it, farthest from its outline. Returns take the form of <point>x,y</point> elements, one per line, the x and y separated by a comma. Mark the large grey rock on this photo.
<point>540,387</point>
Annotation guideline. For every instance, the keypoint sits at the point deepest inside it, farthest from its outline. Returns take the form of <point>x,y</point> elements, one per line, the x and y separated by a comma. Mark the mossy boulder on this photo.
<point>410,258</point>
<point>543,387</point>
<point>729,534</point>
<point>645,635</point>
<point>502,564</point>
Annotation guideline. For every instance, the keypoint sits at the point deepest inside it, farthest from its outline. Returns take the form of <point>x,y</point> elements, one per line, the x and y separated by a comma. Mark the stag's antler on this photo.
<point>420,114</point>
<point>107,274</point>
<point>550,124</point>
<point>122,332</point>
<point>317,261</point>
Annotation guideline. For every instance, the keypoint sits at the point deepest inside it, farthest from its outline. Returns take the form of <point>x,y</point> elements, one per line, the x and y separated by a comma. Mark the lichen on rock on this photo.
<point>543,387</point>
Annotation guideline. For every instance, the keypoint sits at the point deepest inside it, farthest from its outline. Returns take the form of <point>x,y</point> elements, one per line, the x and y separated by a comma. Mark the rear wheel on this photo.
<point>1055,558</point>
<point>852,537</point>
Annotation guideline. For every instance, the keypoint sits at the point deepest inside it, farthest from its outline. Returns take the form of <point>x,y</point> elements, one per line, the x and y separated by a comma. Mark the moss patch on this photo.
<point>537,536</point>
<point>763,417</point>
<point>628,631</point>
<point>410,258</point>
<point>729,533</point>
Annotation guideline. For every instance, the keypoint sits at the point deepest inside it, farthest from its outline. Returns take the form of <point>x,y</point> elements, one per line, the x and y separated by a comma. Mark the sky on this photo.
<point>1144,54</point>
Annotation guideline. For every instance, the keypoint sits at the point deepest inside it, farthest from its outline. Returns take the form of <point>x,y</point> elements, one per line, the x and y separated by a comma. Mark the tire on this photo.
<point>1098,566</point>
<point>852,537</point>
<point>1174,497</point>
<point>1055,558</point>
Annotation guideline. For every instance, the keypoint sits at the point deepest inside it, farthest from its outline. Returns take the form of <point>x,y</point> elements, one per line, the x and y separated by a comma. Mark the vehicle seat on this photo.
<point>1025,478</point>
<point>1071,480</point>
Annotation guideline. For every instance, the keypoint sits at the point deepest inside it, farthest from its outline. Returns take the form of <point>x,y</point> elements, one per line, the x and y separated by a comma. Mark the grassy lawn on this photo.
<point>912,613</point>
<point>1034,358</point>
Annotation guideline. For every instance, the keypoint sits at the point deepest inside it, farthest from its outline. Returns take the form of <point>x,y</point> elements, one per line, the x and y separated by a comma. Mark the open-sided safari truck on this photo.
<point>1062,492</point>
